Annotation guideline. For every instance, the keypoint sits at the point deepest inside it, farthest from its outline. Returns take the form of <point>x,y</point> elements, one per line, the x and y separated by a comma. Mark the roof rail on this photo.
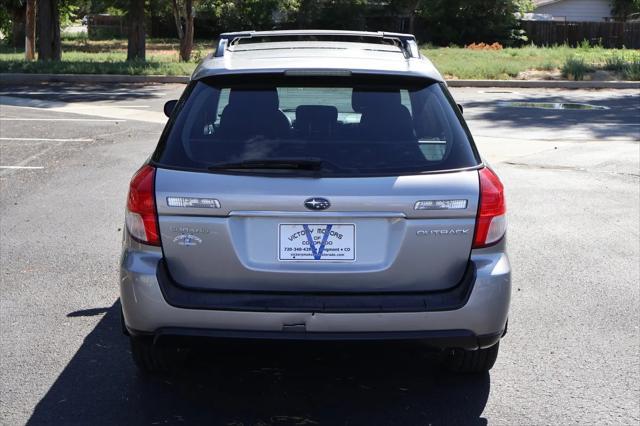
<point>406,42</point>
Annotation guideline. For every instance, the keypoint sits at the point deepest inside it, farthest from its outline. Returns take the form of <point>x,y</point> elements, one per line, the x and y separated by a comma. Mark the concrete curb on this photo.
<point>546,84</point>
<point>19,78</point>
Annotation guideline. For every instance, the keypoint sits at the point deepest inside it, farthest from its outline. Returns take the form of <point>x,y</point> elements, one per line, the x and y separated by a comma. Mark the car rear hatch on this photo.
<point>250,242</point>
<point>316,184</point>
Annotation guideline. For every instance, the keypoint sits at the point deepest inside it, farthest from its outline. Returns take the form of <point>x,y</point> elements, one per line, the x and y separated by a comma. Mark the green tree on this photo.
<point>12,14</point>
<point>621,9</point>
<point>462,22</point>
<point>269,14</point>
<point>341,14</point>
<point>250,14</point>
<point>113,7</point>
<point>405,8</point>
<point>524,6</point>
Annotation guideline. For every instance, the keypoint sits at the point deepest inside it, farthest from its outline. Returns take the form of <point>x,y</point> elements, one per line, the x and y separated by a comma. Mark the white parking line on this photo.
<point>22,167</point>
<point>11,169</point>
<point>88,93</point>
<point>59,119</point>
<point>499,92</point>
<point>47,139</point>
<point>610,124</point>
<point>86,109</point>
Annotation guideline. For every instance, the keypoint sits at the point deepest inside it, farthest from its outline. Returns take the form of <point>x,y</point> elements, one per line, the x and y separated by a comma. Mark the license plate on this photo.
<point>317,242</point>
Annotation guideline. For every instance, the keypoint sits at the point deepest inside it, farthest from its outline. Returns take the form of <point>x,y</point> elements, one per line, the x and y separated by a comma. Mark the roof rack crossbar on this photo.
<point>406,42</point>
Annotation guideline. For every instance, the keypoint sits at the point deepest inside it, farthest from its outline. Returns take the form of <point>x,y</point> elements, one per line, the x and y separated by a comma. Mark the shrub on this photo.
<point>484,46</point>
<point>575,69</point>
<point>615,63</point>
<point>584,45</point>
<point>463,22</point>
<point>548,66</point>
<point>632,71</point>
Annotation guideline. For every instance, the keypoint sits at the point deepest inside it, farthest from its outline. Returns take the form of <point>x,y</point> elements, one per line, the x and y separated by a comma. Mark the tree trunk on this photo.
<point>49,47</point>
<point>17,26</point>
<point>186,43</point>
<point>30,31</point>
<point>411,11</point>
<point>308,11</point>
<point>176,17</point>
<point>136,45</point>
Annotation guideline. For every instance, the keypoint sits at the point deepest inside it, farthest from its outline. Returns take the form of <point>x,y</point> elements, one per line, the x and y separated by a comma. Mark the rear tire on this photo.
<point>151,358</point>
<point>122,324</point>
<point>472,362</point>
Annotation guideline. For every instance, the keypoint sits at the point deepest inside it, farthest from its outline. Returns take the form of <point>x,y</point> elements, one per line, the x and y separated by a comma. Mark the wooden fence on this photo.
<point>109,26</point>
<point>106,26</point>
<point>541,33</point>
<point>608,34</point>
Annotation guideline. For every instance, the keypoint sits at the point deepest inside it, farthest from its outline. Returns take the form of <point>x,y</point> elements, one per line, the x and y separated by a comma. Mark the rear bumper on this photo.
<point>430,301</point>
<point>442,339</point>
<point>478,320</point>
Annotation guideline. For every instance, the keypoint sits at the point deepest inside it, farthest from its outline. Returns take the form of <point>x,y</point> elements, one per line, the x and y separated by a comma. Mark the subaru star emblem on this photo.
<point>187,240</point>
<point>317,203</point>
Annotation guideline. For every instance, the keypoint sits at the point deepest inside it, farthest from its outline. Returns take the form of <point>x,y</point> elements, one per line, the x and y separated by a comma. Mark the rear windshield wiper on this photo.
<point>273,164</point>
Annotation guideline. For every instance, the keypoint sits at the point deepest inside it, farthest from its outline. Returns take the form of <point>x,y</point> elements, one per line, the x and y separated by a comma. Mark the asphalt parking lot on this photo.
<point>572,354</point>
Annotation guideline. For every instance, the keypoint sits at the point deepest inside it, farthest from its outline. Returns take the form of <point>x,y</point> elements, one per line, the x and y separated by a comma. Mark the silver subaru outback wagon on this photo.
<point>316,185</point>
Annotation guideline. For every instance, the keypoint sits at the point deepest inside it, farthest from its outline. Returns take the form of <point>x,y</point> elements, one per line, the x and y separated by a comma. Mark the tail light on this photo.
<point>491,223</point>
<point>141,219</point>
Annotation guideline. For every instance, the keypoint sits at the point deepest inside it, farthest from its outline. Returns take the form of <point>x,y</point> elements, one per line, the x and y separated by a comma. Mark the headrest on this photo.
<point>255,99</point>
<point>367,99</point>
<point>320,114</point>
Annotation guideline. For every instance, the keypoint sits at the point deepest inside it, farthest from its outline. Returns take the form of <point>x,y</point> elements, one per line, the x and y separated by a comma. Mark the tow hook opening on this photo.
<point>294,327</point>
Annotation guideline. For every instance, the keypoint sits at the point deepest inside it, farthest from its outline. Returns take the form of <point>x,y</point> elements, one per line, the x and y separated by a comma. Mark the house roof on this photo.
<point>538,3</point>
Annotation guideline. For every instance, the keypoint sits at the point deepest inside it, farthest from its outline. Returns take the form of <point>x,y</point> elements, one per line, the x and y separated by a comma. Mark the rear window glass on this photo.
<point>349,129</point>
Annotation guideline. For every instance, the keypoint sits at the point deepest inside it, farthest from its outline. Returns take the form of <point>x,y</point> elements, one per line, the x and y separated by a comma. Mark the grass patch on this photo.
<point>627,65</point>
<point>457,62</point>
<point>83,56</point>
<point>624,63</point>
<point>92,66</point>
<point>74,36</point>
